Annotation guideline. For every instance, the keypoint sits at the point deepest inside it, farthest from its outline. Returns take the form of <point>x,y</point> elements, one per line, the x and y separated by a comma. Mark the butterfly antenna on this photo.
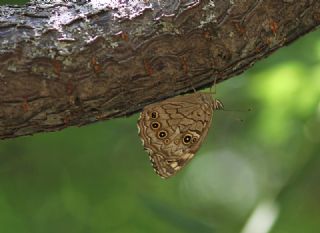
<point>238,110</point>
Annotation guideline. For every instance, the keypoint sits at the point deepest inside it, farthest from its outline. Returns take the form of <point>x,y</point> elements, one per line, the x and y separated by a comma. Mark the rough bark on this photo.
<point>67,64</point>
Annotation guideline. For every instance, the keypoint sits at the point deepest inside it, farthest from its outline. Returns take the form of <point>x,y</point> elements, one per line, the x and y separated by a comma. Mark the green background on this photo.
<point>255,169</point>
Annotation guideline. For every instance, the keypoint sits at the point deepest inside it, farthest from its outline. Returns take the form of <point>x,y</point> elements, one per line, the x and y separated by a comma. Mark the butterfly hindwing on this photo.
<point>173,130</point>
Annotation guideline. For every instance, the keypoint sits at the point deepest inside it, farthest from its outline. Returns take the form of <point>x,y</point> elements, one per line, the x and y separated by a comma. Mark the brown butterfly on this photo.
<point>173,130</point>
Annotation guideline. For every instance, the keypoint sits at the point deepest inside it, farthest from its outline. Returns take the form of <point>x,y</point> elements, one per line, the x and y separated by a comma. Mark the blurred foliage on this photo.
<point>257,170</point>
<point>13,2</point>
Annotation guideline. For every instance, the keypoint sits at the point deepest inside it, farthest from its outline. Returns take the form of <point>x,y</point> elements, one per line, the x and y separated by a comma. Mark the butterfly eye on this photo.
<point>155,125</point>
<point>154,115</point>
<point>162,134</point>
<point>187,139</point>
<point>194,139</point>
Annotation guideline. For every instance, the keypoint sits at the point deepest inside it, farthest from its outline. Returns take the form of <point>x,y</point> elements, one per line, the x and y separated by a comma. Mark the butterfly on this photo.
<point>173,130</point>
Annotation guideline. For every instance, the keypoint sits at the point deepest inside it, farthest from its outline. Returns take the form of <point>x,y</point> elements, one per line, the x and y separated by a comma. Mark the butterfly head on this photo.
<point>217,105</point>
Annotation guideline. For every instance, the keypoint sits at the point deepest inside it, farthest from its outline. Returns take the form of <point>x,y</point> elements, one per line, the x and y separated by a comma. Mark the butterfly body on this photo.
<point>173,130</point>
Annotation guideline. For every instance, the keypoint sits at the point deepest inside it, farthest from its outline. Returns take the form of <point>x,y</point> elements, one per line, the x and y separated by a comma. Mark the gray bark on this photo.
<point>74,63</point>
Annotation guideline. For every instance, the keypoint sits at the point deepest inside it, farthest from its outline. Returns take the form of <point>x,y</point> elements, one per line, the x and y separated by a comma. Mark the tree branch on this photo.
<point>64,64</point>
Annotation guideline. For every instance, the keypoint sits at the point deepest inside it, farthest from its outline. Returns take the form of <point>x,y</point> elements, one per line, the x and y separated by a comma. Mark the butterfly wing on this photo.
<point>173,130</point>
